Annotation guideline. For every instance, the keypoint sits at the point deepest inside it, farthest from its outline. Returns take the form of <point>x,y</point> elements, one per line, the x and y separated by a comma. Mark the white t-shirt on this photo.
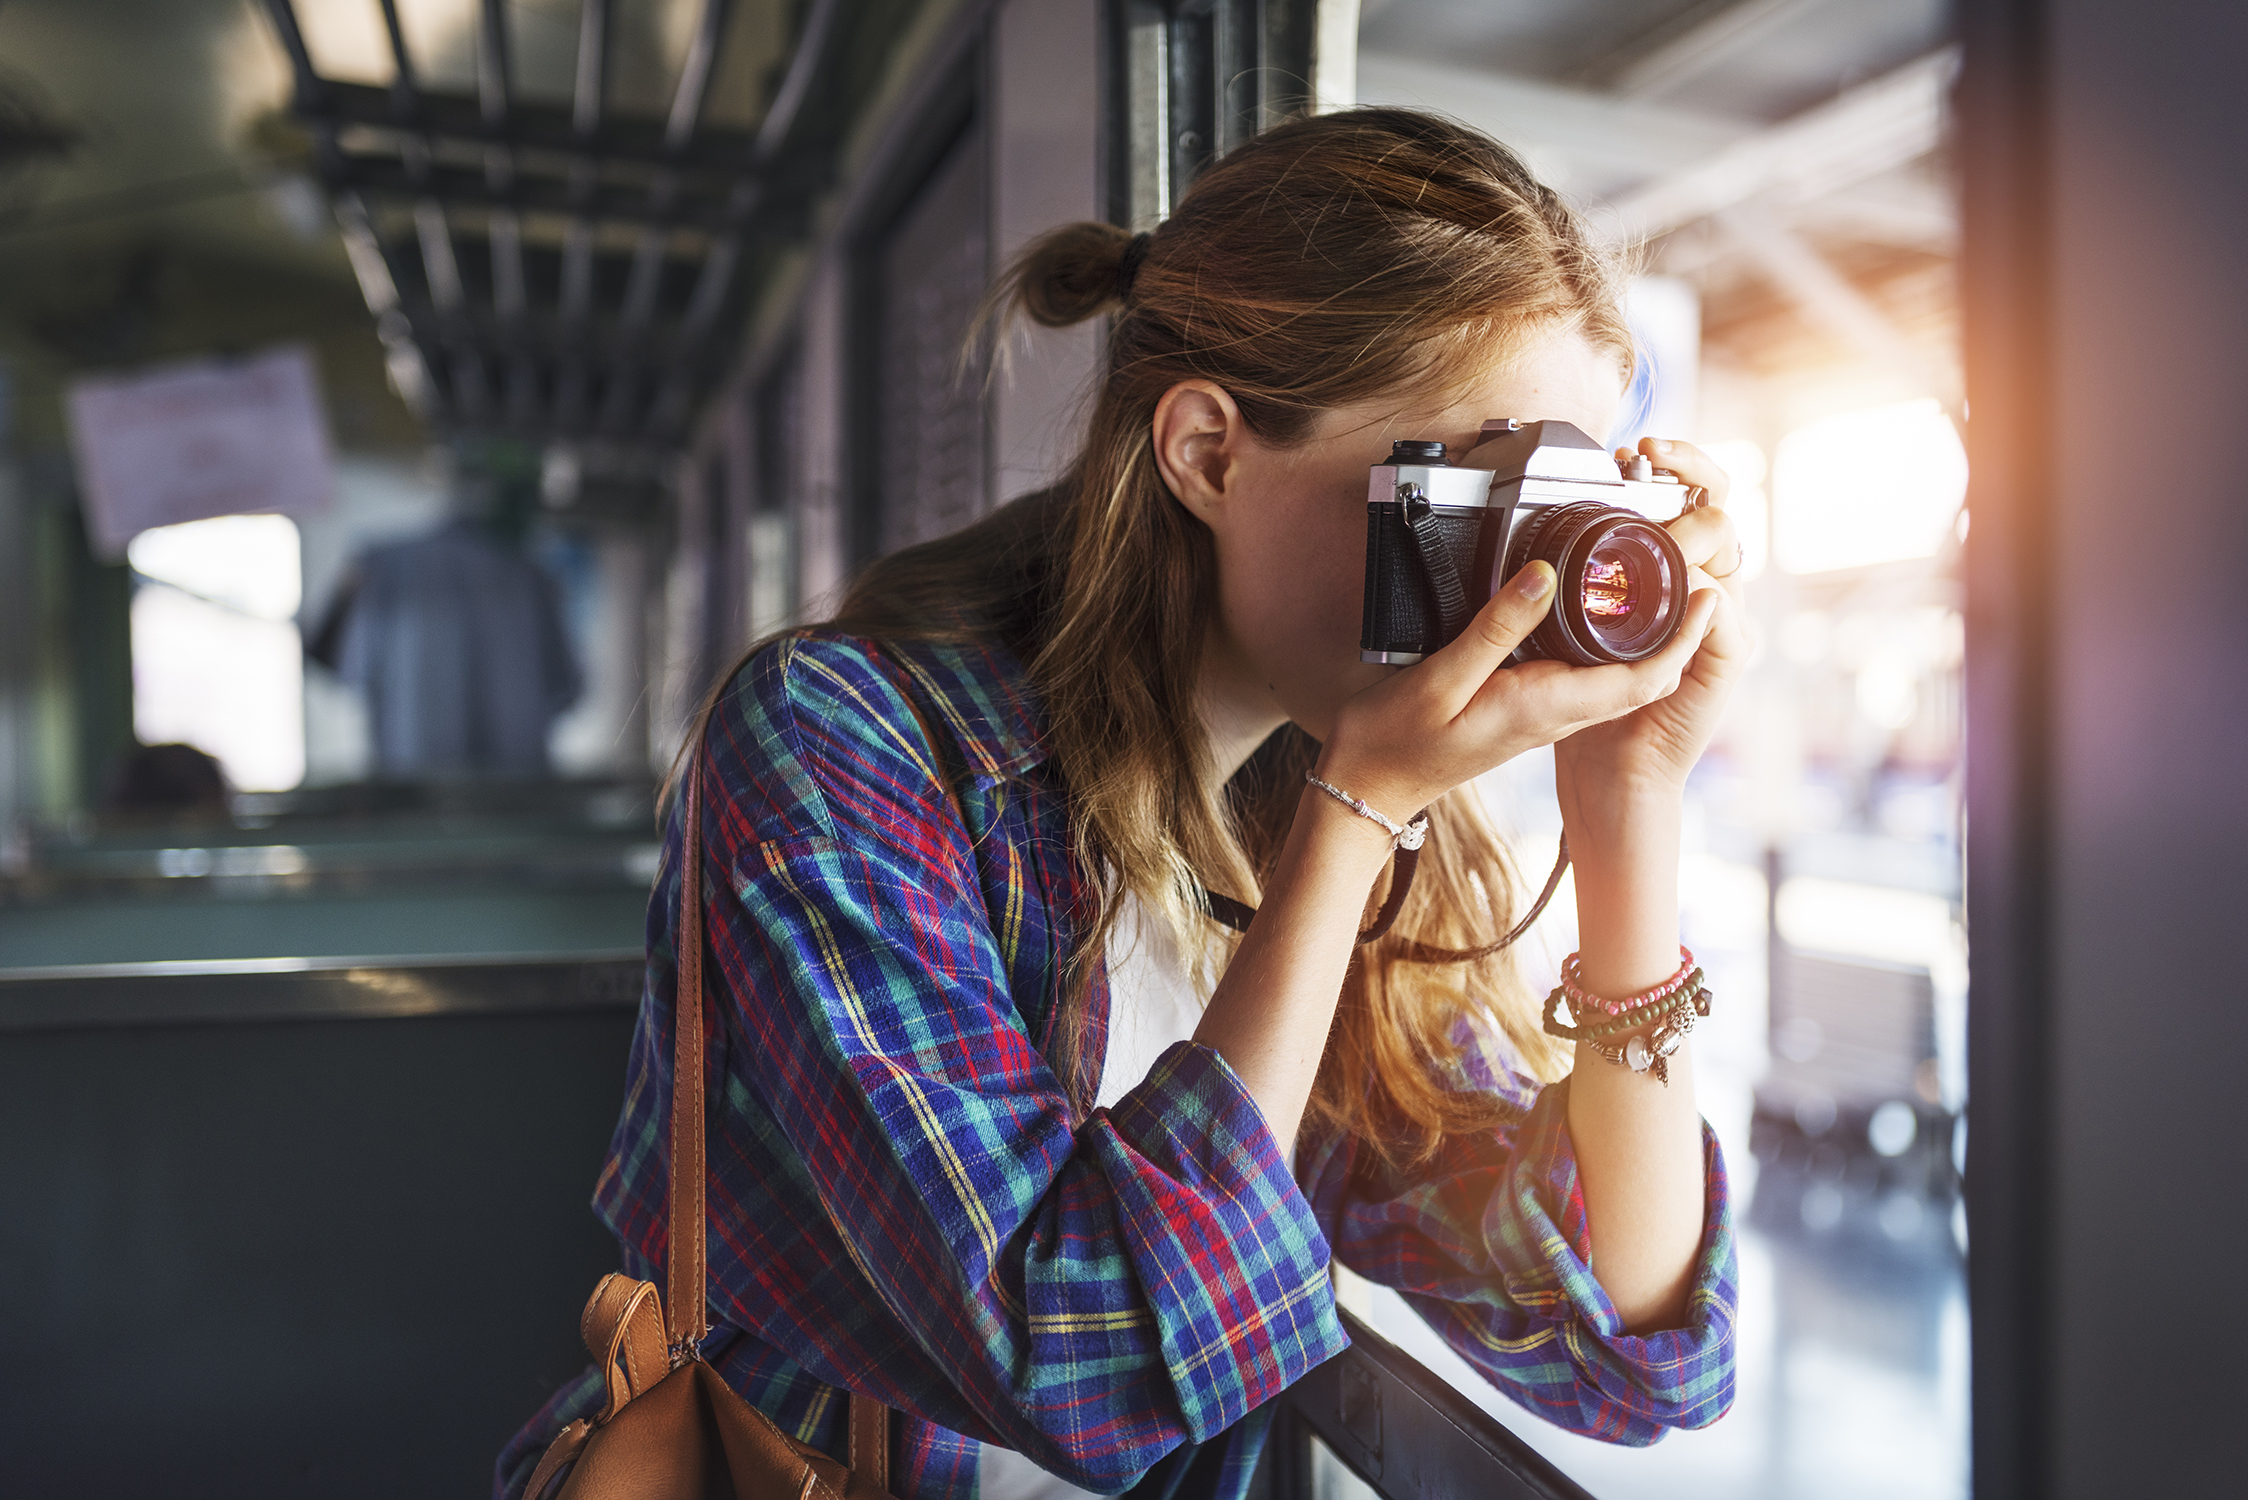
<point>1152,1003</point>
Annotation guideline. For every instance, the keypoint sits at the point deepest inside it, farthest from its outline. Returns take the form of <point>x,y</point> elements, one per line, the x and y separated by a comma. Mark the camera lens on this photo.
<point>1623,583</point>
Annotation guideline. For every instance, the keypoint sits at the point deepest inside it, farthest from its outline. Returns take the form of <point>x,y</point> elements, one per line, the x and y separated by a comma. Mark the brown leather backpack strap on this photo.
<point>623,1331</point>
<point>869,1454</point>
<point>559,1455</point>
<point>684,1293</point>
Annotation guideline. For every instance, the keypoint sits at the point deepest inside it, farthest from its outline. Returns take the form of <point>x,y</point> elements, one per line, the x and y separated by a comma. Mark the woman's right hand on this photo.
<point>1406,741</point>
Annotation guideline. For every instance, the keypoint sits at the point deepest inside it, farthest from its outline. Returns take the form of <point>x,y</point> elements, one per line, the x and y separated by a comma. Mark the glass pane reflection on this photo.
<point>1332,1479</point>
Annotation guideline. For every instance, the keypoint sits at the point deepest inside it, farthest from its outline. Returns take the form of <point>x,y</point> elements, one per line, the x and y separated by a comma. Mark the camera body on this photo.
<point>1442,537</point>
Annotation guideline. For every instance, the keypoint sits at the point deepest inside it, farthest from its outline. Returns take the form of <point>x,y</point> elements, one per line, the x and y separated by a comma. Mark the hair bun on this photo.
<point>1075,272</point>
<point>1128,267</point>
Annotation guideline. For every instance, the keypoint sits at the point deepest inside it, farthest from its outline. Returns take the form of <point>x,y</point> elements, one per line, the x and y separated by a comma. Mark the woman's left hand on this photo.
<point>1652,748</point>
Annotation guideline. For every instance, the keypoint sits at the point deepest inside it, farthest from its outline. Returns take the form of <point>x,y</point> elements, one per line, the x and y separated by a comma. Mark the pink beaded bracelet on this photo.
<point>1583,1001</point>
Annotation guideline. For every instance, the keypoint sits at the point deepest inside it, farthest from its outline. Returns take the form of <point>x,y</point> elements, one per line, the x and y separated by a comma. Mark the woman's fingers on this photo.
<point>1712,623</point>
<point>1689,463</point>
<point>1658,676</point>
<point>1708,538</point>
<point>1552,700</point>
<point>1729,641</point>
<point>1417,735</point>
<point>1513,611</point>
<point>1712,544</point>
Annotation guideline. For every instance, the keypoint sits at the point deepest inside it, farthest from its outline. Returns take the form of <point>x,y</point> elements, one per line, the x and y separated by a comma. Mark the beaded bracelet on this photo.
<point>1695,997</point>
<point>1692,999</point>
<point>1583,1001</point>
<point>1692,994</point>
<point>1651,1053</point>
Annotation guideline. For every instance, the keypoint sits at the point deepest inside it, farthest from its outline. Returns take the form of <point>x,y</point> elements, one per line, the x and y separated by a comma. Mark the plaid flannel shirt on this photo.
<point>902,1201</point>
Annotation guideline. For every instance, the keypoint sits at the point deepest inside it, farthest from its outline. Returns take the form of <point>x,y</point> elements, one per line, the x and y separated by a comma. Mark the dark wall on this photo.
<point>320,1258</point>
<point>2107,296</point>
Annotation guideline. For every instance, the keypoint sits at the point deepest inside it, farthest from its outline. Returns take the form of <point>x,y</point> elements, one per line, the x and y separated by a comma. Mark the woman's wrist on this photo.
<point>1368,778</point>
<point>1625,853</point>
<point>1616,780</point>
<point>1623,823</point>
<point>1335,834</point>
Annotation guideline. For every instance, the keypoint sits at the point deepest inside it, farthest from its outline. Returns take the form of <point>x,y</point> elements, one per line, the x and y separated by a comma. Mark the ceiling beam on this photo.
<point>1860,133</point>
<point>1689,44</point>
<point>474,349</point>
<point>402,81</point>
<point>1831,299</point>
<point>536,127</point>
<point>1596,137</point>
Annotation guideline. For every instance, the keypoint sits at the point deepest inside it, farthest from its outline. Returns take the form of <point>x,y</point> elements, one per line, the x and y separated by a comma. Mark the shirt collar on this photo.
<point>985,696</point>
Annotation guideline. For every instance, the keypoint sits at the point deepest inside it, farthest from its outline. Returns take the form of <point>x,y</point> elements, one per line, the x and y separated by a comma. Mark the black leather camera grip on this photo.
<point>1446,594</point>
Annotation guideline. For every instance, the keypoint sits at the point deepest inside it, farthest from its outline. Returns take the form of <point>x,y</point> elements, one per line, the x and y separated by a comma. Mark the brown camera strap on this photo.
<point>687,1278</point>
<point>1231,912</point>
<point>684,1294</point>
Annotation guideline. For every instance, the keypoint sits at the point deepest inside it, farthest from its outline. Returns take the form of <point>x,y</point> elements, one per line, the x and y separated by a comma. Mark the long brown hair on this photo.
<point>1334,260</point>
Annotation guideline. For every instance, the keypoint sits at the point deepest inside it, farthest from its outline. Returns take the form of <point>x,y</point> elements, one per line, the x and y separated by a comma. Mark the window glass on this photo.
<point>216,659</point>
<point>1780,168</point>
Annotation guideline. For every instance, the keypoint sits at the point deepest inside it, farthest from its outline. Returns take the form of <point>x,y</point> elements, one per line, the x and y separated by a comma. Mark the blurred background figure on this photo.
<point>455,638</point>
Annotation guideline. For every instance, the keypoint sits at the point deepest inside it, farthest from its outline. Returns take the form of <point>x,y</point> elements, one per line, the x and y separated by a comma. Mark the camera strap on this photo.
<point>1445,592</point>
<point>1237,915</point>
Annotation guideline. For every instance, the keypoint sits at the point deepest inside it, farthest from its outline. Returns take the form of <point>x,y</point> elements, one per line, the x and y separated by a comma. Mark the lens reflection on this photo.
<point>1608,591</point>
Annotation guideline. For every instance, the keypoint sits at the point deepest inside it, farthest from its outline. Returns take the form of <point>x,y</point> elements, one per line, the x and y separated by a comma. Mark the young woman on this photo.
<point>1005,1129</point>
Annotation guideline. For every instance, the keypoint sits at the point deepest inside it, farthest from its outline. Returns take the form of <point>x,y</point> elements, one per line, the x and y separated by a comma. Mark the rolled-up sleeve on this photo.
<point>1091,1292</point>
<point>1490,1243</point>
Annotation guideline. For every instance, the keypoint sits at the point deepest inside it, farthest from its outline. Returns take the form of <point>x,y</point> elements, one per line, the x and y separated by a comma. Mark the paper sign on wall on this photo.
<point>211,437</point>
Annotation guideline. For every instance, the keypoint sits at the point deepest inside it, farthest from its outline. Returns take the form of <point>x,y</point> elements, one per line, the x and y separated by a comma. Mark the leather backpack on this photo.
<point>671,1428</point>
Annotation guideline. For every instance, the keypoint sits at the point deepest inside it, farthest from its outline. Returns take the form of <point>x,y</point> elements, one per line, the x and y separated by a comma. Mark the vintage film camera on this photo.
<point>1441,537</point>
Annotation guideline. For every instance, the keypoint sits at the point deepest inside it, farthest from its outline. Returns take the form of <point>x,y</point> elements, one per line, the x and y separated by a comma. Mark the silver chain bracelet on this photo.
<point>1401,835</point>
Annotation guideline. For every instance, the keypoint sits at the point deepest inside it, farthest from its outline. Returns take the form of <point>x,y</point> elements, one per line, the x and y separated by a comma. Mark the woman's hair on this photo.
<point>1335,260</point>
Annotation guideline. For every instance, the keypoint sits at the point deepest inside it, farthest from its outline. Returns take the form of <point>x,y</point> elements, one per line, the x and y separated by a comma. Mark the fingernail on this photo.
<point>1662,445</point>
<point>1535,581</point>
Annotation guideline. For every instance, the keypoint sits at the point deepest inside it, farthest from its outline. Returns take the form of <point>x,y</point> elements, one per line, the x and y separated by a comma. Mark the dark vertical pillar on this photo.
<point>2002,130</point>
<point>2108,703</point>
<point>18,785</point>
<point>101,657</point>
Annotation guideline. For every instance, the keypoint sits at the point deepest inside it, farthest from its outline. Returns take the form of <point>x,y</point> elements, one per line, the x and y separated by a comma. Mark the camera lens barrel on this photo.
<point>1621,593</point>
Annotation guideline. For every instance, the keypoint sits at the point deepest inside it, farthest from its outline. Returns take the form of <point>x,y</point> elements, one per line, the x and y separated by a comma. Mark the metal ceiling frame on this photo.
<point>610,332</point>
<point>1191,79</point>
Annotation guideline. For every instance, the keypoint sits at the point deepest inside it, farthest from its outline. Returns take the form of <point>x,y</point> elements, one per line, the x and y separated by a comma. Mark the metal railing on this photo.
<point>1404,1430</point>
<point>238,991</point>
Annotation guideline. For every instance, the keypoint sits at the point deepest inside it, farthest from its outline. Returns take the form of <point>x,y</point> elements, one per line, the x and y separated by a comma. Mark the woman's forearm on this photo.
<point>1638,1142</point>
<point>1271,1013</point>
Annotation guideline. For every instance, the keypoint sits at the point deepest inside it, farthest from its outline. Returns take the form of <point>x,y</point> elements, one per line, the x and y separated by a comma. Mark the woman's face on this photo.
<point>1290,523</point>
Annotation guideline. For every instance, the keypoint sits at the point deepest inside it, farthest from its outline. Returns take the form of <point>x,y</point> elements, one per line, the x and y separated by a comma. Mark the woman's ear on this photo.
<point>1198,433</point>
